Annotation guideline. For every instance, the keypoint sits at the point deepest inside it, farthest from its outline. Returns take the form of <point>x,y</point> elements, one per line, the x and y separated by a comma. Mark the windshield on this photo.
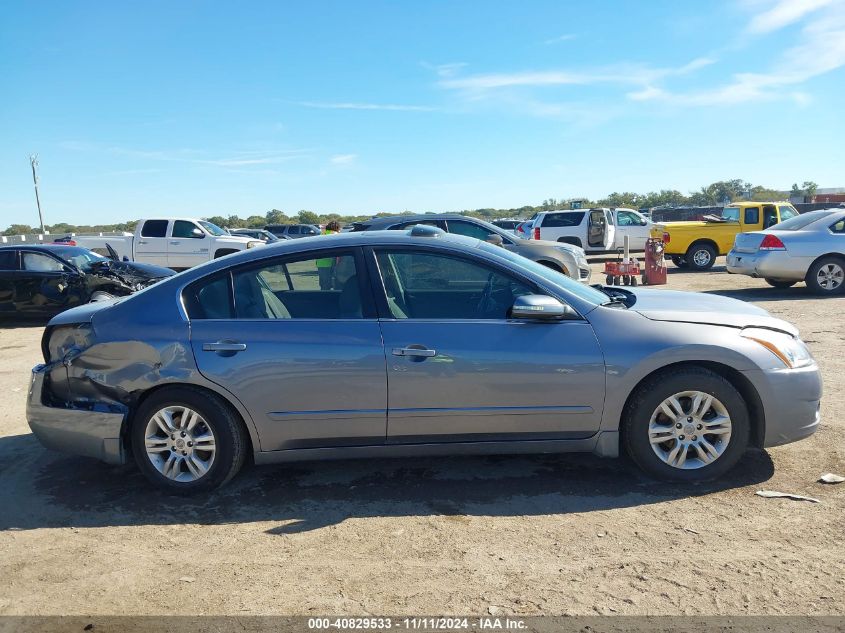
<point>82,258</point>
<point>800,221</point>
<point>213,229</point>
<point>582,291</point>
<point>731,214</point>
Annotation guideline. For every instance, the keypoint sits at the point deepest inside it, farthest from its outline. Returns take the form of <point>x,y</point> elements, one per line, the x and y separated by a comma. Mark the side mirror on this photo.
<point>197,233</point>
<point>495,239</point>
<point>541,308</point>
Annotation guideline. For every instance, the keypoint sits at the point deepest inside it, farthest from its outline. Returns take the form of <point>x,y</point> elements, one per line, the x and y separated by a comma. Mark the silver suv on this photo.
<point>566,258</point>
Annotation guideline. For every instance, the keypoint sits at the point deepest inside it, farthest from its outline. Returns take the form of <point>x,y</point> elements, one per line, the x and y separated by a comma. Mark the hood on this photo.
<point>575,250</point>
<point>138,271</point>
<point>699,307</point>
<point>236,239</point>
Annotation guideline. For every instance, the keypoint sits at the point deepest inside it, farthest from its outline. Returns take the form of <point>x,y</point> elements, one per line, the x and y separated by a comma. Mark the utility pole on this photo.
<point>33,161</point>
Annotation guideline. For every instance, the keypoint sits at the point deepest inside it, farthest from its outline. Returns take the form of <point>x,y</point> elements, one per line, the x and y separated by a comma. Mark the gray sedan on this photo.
<point>417,342</point>
<point>809,247</point>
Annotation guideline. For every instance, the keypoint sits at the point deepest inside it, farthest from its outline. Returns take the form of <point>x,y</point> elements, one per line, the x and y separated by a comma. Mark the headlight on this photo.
<point>791,351</point>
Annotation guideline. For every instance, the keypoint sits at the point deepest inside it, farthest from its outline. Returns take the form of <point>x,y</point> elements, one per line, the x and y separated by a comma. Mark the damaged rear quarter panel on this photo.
<point>139,343</point>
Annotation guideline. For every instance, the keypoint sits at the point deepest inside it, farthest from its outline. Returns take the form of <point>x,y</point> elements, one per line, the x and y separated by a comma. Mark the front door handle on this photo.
<point>175,243</point>
<point>224,348</point>
<point>417,352</point>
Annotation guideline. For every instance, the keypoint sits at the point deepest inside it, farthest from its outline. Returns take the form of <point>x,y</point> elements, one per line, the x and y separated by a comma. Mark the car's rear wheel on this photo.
<point>780,283</point>
<point>679,261</point>
<point>686,425</point>
<point>701,256</point>
<point>187,440</point>
<point>827,276</point>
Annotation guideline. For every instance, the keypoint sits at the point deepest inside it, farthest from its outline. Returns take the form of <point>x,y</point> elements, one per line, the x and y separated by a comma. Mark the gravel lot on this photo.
<point>507,535</point>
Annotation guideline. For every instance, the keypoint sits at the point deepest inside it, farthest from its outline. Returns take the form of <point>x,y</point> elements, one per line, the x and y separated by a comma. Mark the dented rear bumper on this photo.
<point>90,431</point>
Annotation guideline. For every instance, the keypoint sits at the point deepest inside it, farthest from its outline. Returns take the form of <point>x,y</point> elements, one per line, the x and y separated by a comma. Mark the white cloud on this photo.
<point>624,73</point>
<point>343,159</point>
<point>783,13</point>
<point>366,106</point>
<point>819,50</point>
<point>560,38</point>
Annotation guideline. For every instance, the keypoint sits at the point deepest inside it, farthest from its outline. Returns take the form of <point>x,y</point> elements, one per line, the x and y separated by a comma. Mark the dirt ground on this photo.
<point>503,535</point>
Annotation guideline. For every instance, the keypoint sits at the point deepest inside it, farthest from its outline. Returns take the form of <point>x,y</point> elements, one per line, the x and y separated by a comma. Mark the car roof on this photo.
<point>420,217</point>
<point>747,203</point>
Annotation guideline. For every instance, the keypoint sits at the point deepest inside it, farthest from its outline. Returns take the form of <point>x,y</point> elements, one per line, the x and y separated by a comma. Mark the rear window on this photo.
<point>8,260</point>
<point>154,228</point>
<point>563,219</point>
<point>800,221</point>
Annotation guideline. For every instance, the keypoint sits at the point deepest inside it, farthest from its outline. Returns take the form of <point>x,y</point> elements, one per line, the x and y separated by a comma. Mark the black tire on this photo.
<point>701,256</point>
<point>812,279</point>
<point>229,436</point>
<point>648,397</point>
<point>570,240</point>
<point>626,280</point>
<point>225,251</point>
<point>780,283</point>
<point>679,261</point>
<point>608,280</point>
<point>634,281</point>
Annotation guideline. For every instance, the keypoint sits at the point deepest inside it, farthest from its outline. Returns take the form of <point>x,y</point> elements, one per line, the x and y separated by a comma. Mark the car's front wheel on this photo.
<point>187,440</point>
<point>686,425</point>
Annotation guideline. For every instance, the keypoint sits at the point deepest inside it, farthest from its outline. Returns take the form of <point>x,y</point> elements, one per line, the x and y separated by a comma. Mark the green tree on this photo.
<point>277,217</point>
<point>18,229</point>
<point>796,191</point>
<point>219,220</point>
<point>255,221</point>
<point>307,217</point>
<point>810,188</point>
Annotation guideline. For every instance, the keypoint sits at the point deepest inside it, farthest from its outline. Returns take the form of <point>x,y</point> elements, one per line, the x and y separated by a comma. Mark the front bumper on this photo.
<point>791,402</point>
<point>93,432</point>
<point>767,264</point>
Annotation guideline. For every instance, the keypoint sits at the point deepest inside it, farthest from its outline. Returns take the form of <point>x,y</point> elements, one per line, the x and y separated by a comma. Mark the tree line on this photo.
<point>714,194</point>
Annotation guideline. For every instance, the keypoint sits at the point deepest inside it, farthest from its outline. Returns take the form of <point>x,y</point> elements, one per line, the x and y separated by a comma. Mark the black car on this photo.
<point>293,231</point>
<point>42,280</point>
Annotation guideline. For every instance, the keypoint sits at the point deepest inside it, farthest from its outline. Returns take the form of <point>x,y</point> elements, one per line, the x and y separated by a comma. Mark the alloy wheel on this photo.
<point>180,444</point>
<point>830,276</point>
<point>689,430</point>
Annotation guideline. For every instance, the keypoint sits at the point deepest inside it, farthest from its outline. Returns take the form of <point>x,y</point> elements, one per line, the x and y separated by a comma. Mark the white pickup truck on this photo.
<point>176,243</point>
<point>594,230</point>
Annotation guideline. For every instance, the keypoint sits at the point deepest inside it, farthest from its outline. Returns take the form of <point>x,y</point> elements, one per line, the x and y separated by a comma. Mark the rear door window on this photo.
<point>752,215</point>
<point>563,219</point>
<point>154,228</point>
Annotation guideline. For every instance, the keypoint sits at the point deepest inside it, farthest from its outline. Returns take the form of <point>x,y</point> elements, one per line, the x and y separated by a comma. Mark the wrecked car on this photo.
<point>41,280</point>
<point>417,342</point>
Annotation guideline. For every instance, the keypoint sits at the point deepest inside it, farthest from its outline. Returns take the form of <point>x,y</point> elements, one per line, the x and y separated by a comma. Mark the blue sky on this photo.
<point>206,108</point>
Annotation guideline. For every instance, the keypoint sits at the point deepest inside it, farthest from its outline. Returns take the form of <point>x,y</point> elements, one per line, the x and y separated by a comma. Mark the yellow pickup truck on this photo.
<point>697,244</point>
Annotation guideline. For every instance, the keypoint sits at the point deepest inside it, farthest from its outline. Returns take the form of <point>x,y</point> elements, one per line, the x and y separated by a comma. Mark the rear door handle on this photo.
<point>224,348</point>
<point>414,351</point>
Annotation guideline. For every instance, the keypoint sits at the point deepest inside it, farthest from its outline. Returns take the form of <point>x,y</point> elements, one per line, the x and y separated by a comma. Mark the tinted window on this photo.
<point>800,221</point>
<point>154,228</point>
<point>563,219</point>
<point>38,262</point>
<point>293,230</point>
<point>436,286</point>
<point>183,228</point>
<point>407,225</point>
<point>839,227</point>
<point>752,215</point>
<point>307,288</point>
<point>210,299</point>
<point>8,260</point>
<point>469,229</point>
<point>310,230</point>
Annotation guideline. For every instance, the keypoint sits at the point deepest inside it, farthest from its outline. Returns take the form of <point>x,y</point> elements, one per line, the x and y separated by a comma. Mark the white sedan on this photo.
<point>809,247</point>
